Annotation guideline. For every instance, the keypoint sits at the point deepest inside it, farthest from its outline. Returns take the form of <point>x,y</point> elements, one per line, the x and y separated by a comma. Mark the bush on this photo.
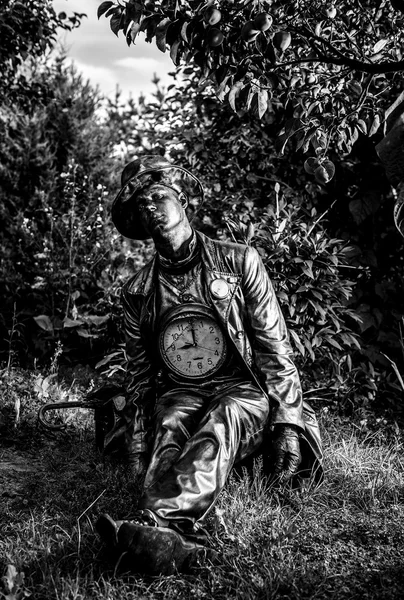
<point>57,242</point>
<point>309,271</point>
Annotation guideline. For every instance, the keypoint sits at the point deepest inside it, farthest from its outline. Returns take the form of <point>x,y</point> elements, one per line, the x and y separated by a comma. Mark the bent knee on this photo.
<point>168,419</point>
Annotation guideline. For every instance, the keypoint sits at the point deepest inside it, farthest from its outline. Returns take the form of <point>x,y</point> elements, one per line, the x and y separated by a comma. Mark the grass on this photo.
<point>344,539</point>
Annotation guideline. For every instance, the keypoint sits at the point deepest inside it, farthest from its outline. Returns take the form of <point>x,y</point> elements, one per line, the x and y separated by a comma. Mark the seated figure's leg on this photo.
<point>175,418</point>
<point>230,429</point>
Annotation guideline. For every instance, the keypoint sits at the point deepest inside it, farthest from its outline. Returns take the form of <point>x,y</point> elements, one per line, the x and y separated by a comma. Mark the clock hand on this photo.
<point>198,345</point>
<point>205,348</point>
<point>179,335</point>
<point>193,335</point>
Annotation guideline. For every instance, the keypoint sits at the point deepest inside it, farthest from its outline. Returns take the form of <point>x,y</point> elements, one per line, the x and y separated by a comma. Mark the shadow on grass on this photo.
<point>335,542</point>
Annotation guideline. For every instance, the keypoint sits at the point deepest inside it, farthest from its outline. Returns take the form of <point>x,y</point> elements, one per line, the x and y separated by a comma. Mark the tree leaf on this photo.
<point>234,92</point>
<point>72,322</point>
<point>174,51</point>
<point>134,12</point>
<point>103,7</point>
<point>224,87</point>
<point>361,125</point>
<point>354,136</point>
<point>332,342</point>
<point>261,42</point>
<point>146,22</point>
<point>375,125</point>
<point>380,45</point>
<point>270,53</point>
<point>44,322</point>
<point>111,11</point>
<point>96,319</point>
<point>183,32</point>
<point>115,22</point>
<point>251,92</point>
<point>132,33</point>
<point>280,143</point>
<point>307,269</point>
<point>297,342</point>
<point>221,73</point>
<point>308,345</point>
<point>161,33</point>
<point>151,29</point>
<point>9,578</point>
<point>250,233</point>
<point>86,334</point>
<point>262,102</point>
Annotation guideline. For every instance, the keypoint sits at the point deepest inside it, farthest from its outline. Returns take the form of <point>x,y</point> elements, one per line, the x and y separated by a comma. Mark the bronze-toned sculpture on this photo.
<point>210,373</point>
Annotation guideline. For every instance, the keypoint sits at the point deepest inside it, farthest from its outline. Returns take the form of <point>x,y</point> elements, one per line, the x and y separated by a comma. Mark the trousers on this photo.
<point>197,440</point>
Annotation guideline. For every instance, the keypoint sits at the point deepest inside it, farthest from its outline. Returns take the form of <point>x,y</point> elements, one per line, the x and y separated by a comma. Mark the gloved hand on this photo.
<point>287,451</point>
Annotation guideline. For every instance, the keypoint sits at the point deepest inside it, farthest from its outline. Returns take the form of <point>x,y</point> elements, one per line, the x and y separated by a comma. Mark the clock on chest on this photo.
<point>191,342</point>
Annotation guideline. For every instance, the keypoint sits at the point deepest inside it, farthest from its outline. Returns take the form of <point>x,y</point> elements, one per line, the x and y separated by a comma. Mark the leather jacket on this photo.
<point>255,327</point>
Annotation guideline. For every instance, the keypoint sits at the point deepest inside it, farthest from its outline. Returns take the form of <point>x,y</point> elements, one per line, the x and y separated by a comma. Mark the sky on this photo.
<point>105,59</point>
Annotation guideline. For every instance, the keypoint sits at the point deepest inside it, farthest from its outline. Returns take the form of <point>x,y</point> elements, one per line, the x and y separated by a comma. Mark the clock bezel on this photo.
<point>185,312</point>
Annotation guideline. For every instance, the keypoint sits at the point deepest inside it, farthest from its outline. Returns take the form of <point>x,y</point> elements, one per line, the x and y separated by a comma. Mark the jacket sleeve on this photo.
<point>139,370</point>
<point>273,354</point>
<point>140,391</point>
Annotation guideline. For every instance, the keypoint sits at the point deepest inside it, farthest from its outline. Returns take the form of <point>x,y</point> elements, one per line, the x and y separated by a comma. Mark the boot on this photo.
<point>150,549</point>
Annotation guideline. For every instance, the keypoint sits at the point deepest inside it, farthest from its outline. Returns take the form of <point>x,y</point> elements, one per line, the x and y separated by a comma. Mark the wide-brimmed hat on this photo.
<point>145,171</point>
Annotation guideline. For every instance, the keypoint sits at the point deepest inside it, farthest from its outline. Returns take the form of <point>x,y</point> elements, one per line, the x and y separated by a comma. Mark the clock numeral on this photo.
<point>175,336</point>
<point>189,364</point>
<point>211,329</point>
<point>217,340</point>
<point>172,347</point>
<point>199,365</point>
<point>210,362</point>
<point>216,353</point>
<point>179,358</point>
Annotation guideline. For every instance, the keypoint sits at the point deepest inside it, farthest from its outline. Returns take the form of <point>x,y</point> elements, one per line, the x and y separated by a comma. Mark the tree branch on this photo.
<point>352,63</point>
<point>358,65</point>
<point>342,59</point>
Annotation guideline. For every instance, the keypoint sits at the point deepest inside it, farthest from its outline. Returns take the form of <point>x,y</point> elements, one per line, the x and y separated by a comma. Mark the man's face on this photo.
<point>160,209</point>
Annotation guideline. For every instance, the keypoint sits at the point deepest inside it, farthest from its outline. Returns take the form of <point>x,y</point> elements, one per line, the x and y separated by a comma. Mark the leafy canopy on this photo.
<point>332,66</point>
<point>27,31</point>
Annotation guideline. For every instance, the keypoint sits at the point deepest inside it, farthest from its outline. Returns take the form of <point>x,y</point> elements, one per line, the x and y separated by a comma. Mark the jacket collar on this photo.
<point>213,268</point>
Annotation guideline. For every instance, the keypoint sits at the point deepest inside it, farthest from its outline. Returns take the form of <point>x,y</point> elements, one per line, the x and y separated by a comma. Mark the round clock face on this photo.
<point>192,344</point>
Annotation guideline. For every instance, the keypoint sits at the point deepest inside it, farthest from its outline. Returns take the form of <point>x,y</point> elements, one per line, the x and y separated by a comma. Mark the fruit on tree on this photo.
<point>214,37</point>
<point>282,40</point>
<point>263,21</point>
<point>212,15</point>
<point>355,87</point>
<point>331,11</point>
<point>249,32</point>
<point>311,164</point>
<point>324,172</point>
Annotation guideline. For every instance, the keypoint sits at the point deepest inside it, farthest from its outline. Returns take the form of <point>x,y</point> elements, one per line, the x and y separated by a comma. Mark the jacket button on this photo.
<point>240,334</point>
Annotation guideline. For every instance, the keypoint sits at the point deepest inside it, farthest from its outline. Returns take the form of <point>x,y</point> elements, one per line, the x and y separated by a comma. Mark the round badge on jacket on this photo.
<point>219,289</point>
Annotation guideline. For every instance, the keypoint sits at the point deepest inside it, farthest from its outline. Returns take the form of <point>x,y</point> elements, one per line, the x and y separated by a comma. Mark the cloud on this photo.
<point>105,59</point>
<point>146,64</point>
<point>131,62</point>
<point>102,77</point>
<point>132,76</point>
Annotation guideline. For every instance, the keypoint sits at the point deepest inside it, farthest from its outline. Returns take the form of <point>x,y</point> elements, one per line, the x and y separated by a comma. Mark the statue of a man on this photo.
<point>210,369</point>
